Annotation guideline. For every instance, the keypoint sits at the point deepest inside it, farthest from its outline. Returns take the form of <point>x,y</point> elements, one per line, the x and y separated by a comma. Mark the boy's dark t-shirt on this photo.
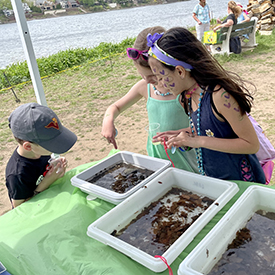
<point>22,175</point>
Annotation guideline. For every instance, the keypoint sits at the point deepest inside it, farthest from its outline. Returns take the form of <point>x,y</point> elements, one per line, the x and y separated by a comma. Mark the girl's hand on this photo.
<point>109,132</point>
<point>159,137</point>
<point>184,138</point>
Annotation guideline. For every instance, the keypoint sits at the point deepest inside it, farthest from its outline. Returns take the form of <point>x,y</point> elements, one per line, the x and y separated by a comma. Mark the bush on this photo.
<point>36,9</point>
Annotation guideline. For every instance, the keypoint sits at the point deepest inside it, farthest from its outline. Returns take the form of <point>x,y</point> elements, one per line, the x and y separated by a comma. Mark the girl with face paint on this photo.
<point>216,102</point>
<point>161,105</point>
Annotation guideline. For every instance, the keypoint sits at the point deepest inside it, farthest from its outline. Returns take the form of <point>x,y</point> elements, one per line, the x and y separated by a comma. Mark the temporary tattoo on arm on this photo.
<point>226,95</point>
<point>228,105</point>
<point>106,115</point>
<point>172,85</point>
<point>237,110</point>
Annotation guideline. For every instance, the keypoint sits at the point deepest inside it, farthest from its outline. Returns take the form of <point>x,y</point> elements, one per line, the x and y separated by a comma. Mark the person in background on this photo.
<point>39,133</point>
<point>217,105</point>
<point>243,16</point>
<point>201,14</point>
<point>234,11</point>
<point>161,105</point>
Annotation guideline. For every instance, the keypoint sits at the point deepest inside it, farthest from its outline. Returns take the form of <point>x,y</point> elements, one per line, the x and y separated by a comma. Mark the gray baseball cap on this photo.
<point>40,125</point>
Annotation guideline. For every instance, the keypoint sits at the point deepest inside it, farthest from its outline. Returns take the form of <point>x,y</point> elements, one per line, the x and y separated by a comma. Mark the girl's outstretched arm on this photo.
<point>138,91</point>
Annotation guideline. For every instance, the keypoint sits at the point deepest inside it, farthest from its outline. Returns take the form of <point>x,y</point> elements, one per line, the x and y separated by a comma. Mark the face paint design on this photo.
<point>168,79</point>
<point>163,72</point>
<point>165,76</point>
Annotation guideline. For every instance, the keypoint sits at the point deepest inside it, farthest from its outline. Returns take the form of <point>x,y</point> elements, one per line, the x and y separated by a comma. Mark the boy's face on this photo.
<point>38,150</point>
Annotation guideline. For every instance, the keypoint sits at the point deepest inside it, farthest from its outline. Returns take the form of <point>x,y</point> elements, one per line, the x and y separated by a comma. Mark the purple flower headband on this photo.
<point>156,52</point>
<point>151,39</point>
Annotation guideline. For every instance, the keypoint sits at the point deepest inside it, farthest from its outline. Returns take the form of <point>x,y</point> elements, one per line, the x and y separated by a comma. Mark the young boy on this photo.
<point>39,133</point>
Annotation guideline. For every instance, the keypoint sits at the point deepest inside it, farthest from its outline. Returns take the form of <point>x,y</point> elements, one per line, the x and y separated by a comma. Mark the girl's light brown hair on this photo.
<point>141,42</point>
<point>235,8</point>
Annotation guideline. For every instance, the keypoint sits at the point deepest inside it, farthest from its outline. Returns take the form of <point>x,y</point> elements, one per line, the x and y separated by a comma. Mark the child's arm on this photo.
<point>138,91</point>
<point>247,141</point>
<point>16,203</point>
<point>170,134</point>
<point>55,172</point>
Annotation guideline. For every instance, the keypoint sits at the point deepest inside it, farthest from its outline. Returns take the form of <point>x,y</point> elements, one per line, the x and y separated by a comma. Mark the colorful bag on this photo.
<point>210,37</point>
<point>266,152</point>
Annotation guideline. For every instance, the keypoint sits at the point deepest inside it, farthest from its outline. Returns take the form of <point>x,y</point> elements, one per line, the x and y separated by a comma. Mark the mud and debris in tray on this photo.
<point>253,250</point>
<point>160,224</point>
<point>121,177</point>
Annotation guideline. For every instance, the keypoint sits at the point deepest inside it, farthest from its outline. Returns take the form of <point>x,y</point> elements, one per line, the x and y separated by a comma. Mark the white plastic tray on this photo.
<point>153,164</point>
<point>120,216</point>
<point>209,251</point>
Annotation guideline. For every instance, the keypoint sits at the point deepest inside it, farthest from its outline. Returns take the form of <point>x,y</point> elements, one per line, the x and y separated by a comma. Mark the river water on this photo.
<point>56,34</point>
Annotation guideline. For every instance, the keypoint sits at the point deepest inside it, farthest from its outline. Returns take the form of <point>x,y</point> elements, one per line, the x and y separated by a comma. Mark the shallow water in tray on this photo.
<point>253,250</point>
<point>121,177</point>
<point>160,224</point>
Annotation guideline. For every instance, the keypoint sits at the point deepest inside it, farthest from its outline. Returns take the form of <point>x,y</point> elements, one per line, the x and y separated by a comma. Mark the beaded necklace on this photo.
<point>198,150</point>
<point>159,93</point>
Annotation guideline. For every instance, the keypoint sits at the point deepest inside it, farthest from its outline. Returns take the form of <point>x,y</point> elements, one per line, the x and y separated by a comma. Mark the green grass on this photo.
<point>19,73</point>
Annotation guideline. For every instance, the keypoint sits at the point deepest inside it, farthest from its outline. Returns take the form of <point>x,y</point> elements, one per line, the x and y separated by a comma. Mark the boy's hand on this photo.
<point>57,168</point>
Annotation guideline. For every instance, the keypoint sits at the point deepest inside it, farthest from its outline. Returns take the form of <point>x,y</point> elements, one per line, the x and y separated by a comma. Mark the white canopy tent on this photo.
<point>29,52</point>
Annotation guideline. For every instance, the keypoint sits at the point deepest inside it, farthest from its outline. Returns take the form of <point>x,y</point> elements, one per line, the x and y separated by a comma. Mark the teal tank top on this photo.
<point>171,116</point>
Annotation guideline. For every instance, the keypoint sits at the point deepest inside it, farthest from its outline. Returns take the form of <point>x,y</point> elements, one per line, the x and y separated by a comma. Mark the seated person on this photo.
<point>39,133</point>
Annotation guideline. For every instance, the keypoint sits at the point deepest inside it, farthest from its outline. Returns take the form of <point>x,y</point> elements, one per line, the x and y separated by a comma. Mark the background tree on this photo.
<point>5,4</point>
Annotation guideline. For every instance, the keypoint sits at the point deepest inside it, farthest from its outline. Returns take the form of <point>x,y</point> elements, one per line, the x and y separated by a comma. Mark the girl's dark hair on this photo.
<point>184,46</point>
<point>141,42</point>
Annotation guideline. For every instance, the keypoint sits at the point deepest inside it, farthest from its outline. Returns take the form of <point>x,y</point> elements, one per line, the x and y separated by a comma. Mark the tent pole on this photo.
<point>29,52</point>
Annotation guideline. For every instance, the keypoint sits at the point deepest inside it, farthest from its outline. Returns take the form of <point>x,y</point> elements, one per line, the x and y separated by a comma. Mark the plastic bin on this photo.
<point>153,164</point>
<point>219,190</point>
<point>209,251</point>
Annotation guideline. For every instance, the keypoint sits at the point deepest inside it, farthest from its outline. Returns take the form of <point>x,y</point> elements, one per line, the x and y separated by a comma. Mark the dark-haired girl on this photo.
<point>217,103</point>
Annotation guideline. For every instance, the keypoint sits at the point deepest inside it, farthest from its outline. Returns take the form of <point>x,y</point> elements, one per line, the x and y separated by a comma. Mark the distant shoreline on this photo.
<point>74,11</point>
